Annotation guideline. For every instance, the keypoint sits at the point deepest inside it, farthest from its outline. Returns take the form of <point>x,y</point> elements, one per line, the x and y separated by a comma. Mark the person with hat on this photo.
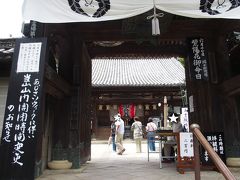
<point>119,134</point>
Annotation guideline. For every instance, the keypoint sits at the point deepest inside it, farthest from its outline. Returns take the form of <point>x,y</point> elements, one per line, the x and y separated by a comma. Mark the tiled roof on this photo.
<point>137,72</point>
<point>6,49</point>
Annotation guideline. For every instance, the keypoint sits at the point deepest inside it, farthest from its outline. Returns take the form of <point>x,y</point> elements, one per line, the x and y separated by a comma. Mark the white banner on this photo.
<point>60,11</point>
<point>228,9</point>
<point>186,144</point>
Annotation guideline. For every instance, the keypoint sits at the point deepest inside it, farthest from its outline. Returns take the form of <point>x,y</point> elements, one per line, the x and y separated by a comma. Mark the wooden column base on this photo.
<point>233,162</point>
<point>59,164</point>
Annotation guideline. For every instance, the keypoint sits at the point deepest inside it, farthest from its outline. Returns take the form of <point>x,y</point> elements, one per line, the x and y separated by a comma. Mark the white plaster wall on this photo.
<point>3,98</point>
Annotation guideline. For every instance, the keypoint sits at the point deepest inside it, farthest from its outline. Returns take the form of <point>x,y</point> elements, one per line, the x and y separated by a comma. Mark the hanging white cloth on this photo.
<point>61,11</point>
<point>228,9</point>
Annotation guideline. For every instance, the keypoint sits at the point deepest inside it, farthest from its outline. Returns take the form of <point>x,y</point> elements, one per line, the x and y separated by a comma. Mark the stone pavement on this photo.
<point>107,165</point>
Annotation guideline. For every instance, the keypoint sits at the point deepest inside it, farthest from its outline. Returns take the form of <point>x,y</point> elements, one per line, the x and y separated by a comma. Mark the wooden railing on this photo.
<point>198,137</point>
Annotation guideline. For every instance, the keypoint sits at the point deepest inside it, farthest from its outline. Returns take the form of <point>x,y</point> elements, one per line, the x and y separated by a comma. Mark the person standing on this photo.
<point>177,126</point>
<point>119,133</point>
<point>169,147</point>
<point>137,133</point>
<point>151,132</point>
<point>112,134</point>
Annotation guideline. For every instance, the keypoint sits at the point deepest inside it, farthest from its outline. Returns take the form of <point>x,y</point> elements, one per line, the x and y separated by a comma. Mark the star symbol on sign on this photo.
<point>173,118</point>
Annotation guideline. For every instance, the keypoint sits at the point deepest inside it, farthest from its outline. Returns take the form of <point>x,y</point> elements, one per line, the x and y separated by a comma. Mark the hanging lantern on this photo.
<point>115,107</point>
<point>147,107</point>
<point>139,106</point>
<point>107,107</point>
<point>154,107</point>
<point>100,107</point>
<point>165,100</point>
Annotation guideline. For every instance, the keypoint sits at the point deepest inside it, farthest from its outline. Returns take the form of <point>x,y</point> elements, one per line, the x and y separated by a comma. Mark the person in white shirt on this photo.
<point>151,132</point>
<point>119,134</point>
<point>137,133</point>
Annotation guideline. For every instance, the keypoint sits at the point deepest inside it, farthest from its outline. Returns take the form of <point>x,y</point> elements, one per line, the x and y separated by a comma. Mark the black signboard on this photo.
<point>22,112</point>
<point>197,58</point>
<point>217,142</point>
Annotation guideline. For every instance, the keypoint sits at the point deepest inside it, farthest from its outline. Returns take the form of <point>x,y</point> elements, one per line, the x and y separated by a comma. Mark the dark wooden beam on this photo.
<point>231,87</point>
<point>52,90</point>
<point>113,30</point>
<point>145,49</point>
<point>55,85</point>
<point>129,89</point>
<point>120,100</point>
<point>7,43</point>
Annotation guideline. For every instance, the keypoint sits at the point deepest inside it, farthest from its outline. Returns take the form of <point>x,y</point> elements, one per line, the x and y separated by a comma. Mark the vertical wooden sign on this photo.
<point>197,58</point>
<point>216,140</point>
<point>22,112</point>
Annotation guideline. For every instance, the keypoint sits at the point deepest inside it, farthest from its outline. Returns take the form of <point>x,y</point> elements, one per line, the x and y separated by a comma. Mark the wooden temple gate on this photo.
<point>215,101</point>
<point>68,91</point>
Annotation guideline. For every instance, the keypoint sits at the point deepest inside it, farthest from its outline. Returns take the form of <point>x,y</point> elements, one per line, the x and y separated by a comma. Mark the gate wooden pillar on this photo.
<point>219,70</point>
<point>199,97</point>
<point>215,110</point>
<point>93,117</point>
<point>229,101</point>
<point>206,94</point>
<point>80,122</point>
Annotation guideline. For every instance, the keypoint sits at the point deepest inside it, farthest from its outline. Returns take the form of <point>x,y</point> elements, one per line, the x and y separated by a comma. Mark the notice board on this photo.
<point>23,107</point>
<point>216,140</point>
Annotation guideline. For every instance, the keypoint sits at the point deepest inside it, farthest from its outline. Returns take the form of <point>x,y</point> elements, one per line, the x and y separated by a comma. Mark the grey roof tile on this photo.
<point>137,72</point>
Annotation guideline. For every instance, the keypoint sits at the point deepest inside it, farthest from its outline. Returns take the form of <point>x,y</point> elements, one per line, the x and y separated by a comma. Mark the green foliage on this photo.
<point>182,61</point>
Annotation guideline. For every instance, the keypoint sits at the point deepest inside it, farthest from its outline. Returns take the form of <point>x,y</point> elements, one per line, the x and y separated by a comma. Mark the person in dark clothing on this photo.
<point>113,131</point>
